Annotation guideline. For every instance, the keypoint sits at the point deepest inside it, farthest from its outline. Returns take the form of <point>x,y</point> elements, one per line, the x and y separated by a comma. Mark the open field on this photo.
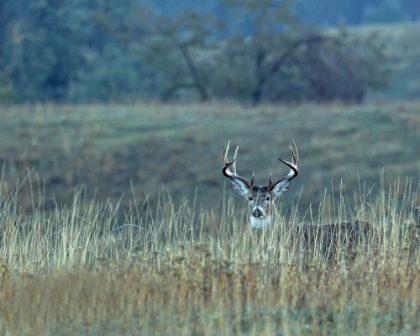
<point>116,220</point>
<point>120,151</point>
<point>183,271</point>
<point>159,260</point>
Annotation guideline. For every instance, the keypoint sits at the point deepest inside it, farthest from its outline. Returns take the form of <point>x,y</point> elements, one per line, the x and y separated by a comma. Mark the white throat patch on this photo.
<point>260,223</point>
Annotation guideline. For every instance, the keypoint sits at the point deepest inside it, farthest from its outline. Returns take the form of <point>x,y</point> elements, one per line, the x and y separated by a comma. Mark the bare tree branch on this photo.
<point>198,84</point>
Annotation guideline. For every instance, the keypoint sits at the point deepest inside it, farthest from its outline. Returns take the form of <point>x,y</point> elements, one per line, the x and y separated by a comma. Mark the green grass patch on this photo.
<point>123,150</point>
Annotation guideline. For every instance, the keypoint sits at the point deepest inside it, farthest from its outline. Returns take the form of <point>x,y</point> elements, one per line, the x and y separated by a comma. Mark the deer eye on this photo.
<point>250,198</point>
<point>268,198</point>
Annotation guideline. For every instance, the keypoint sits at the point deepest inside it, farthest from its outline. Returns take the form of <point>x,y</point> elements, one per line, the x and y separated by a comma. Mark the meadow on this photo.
<point>184,271</point>
<point>117,220</point>
<point>125,152</point>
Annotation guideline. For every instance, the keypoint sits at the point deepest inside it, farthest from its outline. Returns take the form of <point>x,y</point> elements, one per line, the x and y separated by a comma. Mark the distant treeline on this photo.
<point>321,12</point>
<point>248,50</point>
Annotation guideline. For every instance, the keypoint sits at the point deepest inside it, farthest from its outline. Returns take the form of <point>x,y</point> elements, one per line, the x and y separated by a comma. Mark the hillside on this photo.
<point>116,150</point>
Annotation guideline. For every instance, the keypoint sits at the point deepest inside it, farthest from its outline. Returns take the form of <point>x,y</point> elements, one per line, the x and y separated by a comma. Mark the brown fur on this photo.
<point>330,238</point>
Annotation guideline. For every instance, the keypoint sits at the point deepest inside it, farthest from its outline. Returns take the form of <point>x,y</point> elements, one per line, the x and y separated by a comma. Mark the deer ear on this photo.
<point>281,188</point>
<point>240,187</point>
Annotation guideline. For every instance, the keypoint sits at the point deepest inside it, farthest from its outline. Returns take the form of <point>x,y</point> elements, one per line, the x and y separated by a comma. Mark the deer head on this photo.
<point>260,198</point>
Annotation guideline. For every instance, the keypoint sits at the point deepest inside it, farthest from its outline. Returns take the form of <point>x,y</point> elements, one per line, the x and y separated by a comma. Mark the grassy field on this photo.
<point>175,254</point>
<point>116,219</point>
<point>183,271</point>
<point>122,153</point>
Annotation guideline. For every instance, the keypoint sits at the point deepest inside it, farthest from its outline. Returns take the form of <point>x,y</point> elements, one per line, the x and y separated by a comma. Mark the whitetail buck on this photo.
<point>260,198</point>
<point>263,210</point>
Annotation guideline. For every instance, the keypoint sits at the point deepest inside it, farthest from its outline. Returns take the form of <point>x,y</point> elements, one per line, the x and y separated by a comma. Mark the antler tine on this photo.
<point>226,165</point>
<point>225,154</point>
<point>234,159</point>
<point>295,162</point>
<point>295,153</point>
<point>293,172</point>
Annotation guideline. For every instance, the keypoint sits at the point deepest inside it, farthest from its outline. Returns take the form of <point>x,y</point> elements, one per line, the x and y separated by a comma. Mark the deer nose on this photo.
<point>257,213</point>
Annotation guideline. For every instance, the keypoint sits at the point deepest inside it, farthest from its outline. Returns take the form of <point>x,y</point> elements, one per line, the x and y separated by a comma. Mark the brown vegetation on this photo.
<point>179,270</point>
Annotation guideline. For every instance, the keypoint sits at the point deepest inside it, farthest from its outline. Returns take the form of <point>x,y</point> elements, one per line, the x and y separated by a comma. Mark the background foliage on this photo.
<point>77,51</point>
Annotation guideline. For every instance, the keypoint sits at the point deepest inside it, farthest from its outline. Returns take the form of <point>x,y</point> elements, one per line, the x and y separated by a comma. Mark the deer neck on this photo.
<point>258,223</point>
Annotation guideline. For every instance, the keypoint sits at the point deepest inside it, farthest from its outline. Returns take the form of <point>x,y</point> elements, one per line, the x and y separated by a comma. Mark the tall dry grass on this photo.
<point>182,270</point>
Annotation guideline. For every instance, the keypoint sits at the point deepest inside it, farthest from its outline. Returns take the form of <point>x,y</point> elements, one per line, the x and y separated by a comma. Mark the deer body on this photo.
<point>329,237</point>
<point>263,211</point>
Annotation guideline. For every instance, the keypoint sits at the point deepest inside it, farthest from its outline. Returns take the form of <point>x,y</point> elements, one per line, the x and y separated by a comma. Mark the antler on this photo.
<point>232,174</point>
<point>292,165</point>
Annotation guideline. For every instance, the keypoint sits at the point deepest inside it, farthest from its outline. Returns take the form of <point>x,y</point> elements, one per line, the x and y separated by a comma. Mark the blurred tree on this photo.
<point>260,47</point>
<point>8,14</point>
<point>112,68</point>
<point>78,51</point>
<point>333,67</point>
<point>321,12</point>
<point>44,57</point>
<point>177,48</point>
<point>6,90</point>
<point>275,60</point>
<point>61,50</point>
